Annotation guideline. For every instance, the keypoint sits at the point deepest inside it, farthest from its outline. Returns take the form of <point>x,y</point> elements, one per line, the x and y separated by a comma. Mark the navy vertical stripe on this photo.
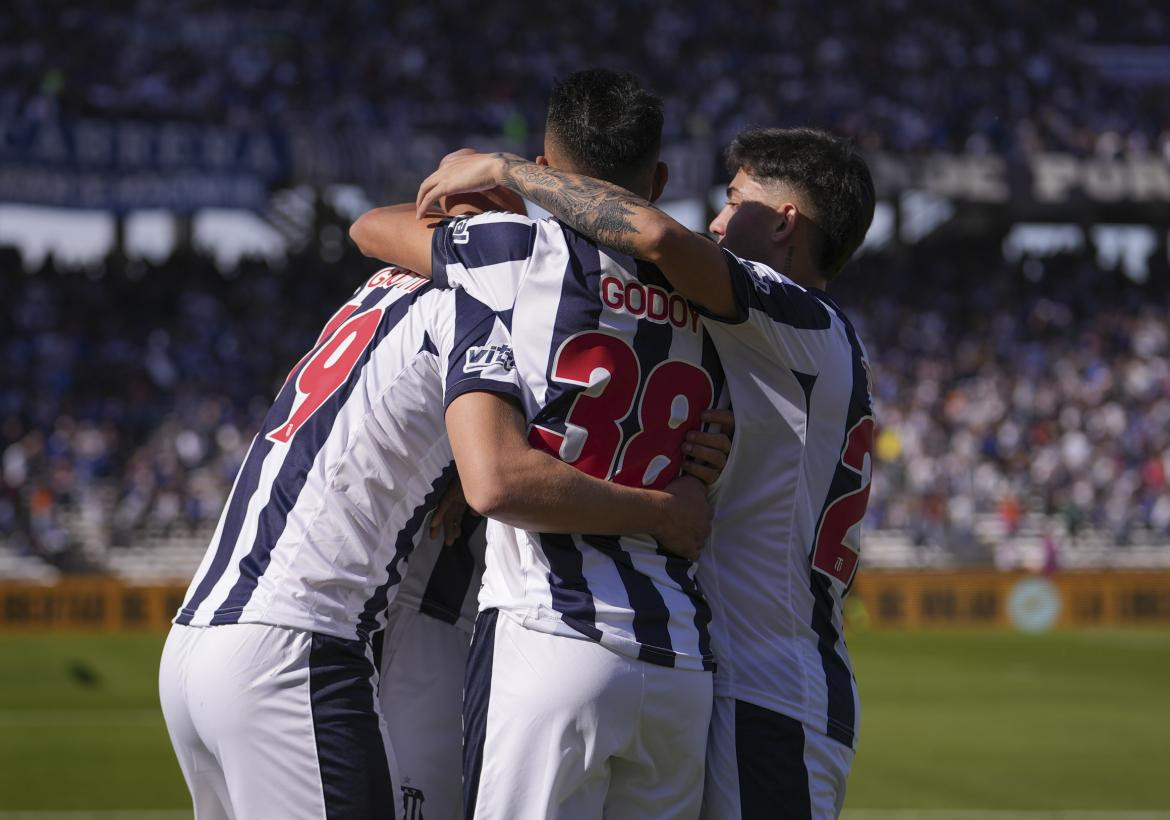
<point>651,615</point>
<point>579,309</point>
<point>680,570</point>
<point>570,591</point>
<point>351,750</point>
<point>773,777</point>
<point>841,720</point>
<point>477,691</point>
<point>294,470</point>
<point>403,545</point>
<point>249,479</point>
<point>246,483</point>
<point>451,577</point>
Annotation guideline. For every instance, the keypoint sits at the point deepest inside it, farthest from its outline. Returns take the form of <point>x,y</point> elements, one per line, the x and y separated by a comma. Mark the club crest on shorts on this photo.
<point>412,802</point>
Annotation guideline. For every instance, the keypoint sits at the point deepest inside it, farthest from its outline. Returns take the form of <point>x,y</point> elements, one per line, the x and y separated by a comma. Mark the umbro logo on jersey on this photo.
<point>481,358</point>
<point>460,232</point>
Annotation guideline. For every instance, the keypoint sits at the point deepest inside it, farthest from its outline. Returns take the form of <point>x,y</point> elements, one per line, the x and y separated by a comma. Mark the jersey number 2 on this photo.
<point>326,368</point>
<point>675,395</point>
<point>838,544</point>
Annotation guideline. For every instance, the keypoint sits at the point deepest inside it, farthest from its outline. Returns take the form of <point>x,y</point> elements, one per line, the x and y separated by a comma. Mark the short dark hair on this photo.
<point>607,123</point>
<point>829,170</point>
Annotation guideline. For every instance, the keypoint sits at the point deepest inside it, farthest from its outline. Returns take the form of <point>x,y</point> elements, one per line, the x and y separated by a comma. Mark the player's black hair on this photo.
<point>827,169</point>
<point>606,122</point>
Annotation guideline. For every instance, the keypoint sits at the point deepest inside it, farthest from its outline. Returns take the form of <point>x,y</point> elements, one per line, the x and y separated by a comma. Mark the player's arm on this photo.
<point>506,479</point>
<point>607,213</point>
<point>395,235</point>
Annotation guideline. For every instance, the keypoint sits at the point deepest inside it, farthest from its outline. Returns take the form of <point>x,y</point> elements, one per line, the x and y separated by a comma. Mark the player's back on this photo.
<point>785,540</point>
<point>351,457</point>
<point>616,369</point>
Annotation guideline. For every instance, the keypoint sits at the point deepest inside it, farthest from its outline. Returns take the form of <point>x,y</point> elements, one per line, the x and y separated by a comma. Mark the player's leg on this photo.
<point>661,774</point>
<point>762,764</point>
<point>205,780</point>
<point>421,691</point>
<point>293,718</point>
<point>543,715</point>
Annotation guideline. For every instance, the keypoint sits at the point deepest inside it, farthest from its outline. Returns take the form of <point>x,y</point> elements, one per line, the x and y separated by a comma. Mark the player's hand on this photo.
<point>448,515</point>
<point>705,454</point>
<point>461,173</point>
<point>687,522</point>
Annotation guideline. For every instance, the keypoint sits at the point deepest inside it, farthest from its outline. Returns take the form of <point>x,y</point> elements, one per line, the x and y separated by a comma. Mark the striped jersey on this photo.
<point>785,540</point>
<point>616,369</point>
<point>442,581</point>
<point>337,485</point>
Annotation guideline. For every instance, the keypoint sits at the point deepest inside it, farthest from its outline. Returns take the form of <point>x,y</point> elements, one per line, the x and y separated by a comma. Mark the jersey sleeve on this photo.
<point>773,314</point>
<point>487,255</point>
<point>480,353</point>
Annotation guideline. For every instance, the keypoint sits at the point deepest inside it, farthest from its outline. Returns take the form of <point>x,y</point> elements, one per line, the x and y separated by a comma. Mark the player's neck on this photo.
<point>798,267</point>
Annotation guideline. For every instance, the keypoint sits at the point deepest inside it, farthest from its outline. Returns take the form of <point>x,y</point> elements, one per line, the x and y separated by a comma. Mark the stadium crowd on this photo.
<point>929,75</point>
<point>132,390</point>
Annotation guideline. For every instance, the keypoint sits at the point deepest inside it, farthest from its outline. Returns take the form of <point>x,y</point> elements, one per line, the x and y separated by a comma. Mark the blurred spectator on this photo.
<point>1000,75</point>
<point>131,392</point>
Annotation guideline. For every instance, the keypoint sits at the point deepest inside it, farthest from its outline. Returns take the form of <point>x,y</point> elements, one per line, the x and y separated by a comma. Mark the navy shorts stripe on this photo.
<point>769,753</point>
<point>477,690</point>
<point>351,750</point>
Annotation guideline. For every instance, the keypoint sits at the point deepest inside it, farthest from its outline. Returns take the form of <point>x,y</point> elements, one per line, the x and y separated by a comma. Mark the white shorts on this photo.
<point>762,765</point>
<point>421,692</point>
<point>274,722</point>
<point>556,727</point>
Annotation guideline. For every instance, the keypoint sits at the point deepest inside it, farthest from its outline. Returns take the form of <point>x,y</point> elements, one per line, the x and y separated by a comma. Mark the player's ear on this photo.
<point>541,159</point>
<point>785,225</point>
<point>661,175</point>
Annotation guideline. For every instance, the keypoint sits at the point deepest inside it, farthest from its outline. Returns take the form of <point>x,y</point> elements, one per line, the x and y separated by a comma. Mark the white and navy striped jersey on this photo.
<point>442,581</point>
<point>353,455</point>
<point>785,540</point>
<point>616,369</point>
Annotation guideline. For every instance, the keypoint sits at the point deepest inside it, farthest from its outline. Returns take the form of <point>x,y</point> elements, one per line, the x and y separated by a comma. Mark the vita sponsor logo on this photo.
<point>487,356</point>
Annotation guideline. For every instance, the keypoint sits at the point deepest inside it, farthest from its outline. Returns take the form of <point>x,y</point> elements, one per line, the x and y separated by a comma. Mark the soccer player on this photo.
<point>589,683</point>
<point>267,679</point>
<point>786,537</point>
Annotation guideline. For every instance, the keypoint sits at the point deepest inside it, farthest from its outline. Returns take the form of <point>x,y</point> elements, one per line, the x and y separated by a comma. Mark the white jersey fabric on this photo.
<point>352,456</point>
<point>616,369</point>
<point>785,539</point>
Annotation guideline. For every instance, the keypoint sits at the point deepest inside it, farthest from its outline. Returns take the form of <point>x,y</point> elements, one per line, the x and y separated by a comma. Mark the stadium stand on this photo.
<point>1017,416</point>
<point>1082,78</point>
<point>1024,404</point>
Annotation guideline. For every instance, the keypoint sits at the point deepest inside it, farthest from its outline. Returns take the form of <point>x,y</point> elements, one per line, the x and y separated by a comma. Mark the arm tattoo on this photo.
<point>600,210</point>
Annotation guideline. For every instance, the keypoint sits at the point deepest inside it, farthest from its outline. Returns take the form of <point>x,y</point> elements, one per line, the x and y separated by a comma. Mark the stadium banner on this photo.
<point>1048,179</point>
<point>102,604</point>
<point>125,164</point>
<point>880,599</point>
<point>916,599</point>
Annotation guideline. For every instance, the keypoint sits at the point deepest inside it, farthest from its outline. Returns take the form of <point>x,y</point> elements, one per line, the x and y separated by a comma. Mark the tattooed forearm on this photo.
<point>602,211</point>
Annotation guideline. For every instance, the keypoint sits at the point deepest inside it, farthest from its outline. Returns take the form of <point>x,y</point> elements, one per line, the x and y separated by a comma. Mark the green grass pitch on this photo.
<point>956,720</point>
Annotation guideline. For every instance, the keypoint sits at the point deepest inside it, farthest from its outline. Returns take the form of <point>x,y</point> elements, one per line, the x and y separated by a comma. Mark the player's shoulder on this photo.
<point>782,298</point>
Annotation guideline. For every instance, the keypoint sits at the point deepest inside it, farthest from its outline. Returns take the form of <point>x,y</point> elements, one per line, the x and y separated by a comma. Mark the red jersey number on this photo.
<point>327,368</point>
<point>836,551</point>
<point>675,395</point>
